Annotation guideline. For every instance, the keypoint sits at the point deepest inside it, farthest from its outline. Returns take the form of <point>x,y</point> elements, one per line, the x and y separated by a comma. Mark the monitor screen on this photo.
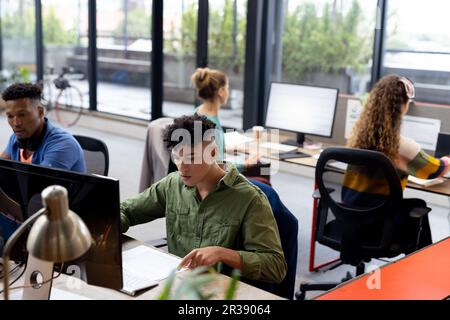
<point>443,145</point>
<point>302,108</point>
<point>94,198</point>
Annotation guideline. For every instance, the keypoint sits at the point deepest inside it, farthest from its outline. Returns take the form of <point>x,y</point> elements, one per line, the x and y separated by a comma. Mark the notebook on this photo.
<point>425,182</point>
<point>144,267</point>
<point>133,282</point>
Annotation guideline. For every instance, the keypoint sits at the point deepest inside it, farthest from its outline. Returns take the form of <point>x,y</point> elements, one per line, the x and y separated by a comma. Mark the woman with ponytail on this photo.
<point>212,88</point>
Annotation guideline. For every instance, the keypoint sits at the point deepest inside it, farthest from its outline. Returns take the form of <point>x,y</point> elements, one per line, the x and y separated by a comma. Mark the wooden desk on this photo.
<point>441,188</point>
<point>78,287</point>
<point>423,275</point>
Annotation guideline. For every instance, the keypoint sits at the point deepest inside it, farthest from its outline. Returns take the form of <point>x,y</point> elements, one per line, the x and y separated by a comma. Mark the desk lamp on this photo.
<point>57,235</point>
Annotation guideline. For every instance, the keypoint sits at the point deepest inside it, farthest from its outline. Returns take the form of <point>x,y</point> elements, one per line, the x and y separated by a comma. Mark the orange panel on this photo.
<point>424,275</point>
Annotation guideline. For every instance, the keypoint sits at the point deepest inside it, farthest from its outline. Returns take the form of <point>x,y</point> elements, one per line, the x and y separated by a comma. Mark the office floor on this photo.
<point>125,164</point>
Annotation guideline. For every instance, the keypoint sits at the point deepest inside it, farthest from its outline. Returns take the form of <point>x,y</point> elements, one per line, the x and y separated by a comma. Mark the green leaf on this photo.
<point>235,275</point>
<point>165,294</point>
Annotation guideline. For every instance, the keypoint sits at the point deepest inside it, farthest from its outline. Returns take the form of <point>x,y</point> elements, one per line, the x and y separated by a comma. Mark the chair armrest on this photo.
<point>418,207</point>
<point>419,212</point>
<point>316,193</point>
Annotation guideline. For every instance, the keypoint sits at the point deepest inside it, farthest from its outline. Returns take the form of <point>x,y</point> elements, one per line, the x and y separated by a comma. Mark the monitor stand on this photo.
<point>294,154</point>
<point>298,143</point>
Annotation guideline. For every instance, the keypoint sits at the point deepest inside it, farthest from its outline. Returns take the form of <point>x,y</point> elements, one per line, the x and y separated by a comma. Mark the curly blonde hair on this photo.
<point>378,127</point>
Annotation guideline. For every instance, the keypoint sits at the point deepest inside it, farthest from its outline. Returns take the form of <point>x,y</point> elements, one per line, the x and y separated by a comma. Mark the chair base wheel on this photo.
<point>347,277</point>
<point>300,295</point>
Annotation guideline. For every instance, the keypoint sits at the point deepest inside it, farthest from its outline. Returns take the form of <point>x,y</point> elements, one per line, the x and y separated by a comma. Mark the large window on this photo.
<point>226,50</point>
<point>325,42</point>
<point>124,49</point>
<point>65,31</point>
<point>180,43</point>
<point>18,40</point>
<point>418,46</point>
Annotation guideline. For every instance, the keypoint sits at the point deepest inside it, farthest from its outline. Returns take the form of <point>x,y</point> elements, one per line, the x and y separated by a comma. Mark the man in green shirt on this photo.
<point>212,215</point>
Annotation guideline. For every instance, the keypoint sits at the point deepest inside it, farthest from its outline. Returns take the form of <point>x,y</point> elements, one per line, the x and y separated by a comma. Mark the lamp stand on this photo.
<point>10,243</point>
<point>37,272</point>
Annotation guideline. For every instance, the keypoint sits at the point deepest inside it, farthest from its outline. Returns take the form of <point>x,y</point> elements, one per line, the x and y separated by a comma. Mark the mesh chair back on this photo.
<point>360,191</point>
<point>95,153</point>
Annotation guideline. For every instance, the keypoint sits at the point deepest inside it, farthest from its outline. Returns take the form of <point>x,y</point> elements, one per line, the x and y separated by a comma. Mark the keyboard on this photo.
<point>293,155</point>
<point>133,283</point>
<point>277,146</point>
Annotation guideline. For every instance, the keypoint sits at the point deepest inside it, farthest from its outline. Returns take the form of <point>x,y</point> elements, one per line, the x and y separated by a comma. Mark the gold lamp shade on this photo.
<point>60,234</point>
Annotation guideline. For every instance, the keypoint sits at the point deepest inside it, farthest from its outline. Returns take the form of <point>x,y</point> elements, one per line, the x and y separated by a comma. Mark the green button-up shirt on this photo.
<point>235,215</point>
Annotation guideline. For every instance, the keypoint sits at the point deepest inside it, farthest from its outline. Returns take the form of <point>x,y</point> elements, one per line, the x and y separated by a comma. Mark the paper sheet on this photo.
<point>234,138</point>
<point>149,263</point>
<point>425,182</point>
<point>354,109</point>
<point>277,146</point>
<point>338,165</point>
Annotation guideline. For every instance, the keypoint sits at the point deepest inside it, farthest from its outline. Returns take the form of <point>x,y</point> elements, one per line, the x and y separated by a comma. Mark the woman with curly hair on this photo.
<point>378,129</point>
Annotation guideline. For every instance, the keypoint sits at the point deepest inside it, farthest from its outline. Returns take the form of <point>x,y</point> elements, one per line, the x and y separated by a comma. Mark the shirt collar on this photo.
<point>230,177</point>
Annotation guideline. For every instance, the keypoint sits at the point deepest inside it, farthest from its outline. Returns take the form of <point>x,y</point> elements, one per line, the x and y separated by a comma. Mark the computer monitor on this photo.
<point>94,198</point>
<point>302,109</point>
<point>443,145</point>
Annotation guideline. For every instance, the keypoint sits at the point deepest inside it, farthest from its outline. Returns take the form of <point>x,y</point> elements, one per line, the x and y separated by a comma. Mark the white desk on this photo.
<point>68,287</point>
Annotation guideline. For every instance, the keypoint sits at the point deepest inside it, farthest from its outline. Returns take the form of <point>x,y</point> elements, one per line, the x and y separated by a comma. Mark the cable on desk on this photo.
<point>12,270</point>
<point>32,285</point>
<point>20,275</point>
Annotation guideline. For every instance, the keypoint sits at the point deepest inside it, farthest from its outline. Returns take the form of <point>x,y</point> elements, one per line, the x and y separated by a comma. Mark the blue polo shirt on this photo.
<point>59,149</point>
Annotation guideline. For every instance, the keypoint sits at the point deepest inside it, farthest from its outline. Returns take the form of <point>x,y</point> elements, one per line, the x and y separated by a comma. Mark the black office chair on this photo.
<point>376,223</point>
<point>95,153</point>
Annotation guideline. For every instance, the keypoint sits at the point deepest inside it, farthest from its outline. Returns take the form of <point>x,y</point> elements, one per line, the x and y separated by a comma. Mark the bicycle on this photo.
<point>68,104</point>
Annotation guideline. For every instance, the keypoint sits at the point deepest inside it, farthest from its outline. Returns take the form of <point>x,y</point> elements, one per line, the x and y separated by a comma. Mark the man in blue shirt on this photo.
<point>35,139</point>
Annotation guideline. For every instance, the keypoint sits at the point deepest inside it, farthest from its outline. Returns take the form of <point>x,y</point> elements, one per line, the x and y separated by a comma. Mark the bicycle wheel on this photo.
<point>69,106</point>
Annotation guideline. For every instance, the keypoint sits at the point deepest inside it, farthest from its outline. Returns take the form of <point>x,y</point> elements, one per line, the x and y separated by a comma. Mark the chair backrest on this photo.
<point>259,171</point>
<point>358,200</point>
<point>96,154</point>
<point>157,164</point>
<point>156,159</point>
<point>288,228</point>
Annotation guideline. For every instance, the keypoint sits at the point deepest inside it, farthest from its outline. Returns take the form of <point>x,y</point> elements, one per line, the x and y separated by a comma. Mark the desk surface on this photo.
<point>80,288</point>
<point>423,275</point>
<point>441,189</point>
